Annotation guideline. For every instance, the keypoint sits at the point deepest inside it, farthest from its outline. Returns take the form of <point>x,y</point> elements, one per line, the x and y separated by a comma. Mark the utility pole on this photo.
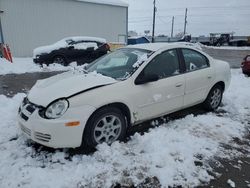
<point>185,23</point>
<point>1,31</point>
<point>153,33</point>
<point>172,30</point>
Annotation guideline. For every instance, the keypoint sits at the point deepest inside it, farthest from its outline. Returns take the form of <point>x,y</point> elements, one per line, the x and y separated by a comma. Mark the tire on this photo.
<point>106,125</point>
<point>60,60</point>
<point>247,74</point>
<point>214,98</point>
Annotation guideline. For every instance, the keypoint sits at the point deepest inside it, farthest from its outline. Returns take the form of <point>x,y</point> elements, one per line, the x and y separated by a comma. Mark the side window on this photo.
<point>164,65</point>
<point>194,60</point>
<point>83,45</point>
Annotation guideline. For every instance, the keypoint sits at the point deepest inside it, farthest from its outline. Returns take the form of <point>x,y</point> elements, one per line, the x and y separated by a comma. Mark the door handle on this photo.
<point>178,85</point>
<point>209,77</point>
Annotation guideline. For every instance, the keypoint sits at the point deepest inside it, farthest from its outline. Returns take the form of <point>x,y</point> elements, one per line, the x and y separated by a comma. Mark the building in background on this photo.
<point>27,24</point>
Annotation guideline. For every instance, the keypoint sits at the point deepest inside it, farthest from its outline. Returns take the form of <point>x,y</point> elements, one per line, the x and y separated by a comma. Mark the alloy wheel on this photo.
<point>59,60</point>
<point>107,129</point>
<point>215,98</point>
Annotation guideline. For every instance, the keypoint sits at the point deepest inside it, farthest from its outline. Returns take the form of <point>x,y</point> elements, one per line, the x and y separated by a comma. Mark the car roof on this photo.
<point>137,37</point>
<point>157,46</point>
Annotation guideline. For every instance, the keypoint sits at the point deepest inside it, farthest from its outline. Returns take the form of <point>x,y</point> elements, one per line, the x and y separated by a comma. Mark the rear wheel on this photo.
<point>60,60</point>
<point>106,125</point>
<point>214,98</point>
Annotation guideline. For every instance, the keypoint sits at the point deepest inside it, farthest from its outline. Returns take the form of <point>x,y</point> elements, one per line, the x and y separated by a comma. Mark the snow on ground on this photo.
<point>24,65</point>
<point>168,152</point>
<point>231,183</point>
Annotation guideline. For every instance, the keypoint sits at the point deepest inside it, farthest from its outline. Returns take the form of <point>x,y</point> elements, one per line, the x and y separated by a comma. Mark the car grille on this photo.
<point>26,130</point>
<point>42,137</point>
<point>25,111</point>
<point>27,108</point>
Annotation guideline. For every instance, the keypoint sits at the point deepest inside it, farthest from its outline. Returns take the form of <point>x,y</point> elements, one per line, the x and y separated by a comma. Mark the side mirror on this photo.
<point>143,79</point>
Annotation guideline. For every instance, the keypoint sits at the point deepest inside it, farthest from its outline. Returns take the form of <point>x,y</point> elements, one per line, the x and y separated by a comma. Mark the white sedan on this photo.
<point>122,89</point>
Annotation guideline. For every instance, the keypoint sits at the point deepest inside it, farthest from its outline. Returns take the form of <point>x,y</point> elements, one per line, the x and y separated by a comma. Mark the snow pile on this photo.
<point>142,57</point>
<point>230,183</point>
<point>3,60</point>
<point>24,65</point>
<point>236,99</point>
<point>177,152</point>
<point>65,42</point>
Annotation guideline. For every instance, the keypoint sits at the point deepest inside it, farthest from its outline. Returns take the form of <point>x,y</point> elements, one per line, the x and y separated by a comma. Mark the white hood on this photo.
<point>64,85</point>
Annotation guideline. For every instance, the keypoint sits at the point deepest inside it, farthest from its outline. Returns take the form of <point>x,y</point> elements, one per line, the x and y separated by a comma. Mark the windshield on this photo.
<point>119,64</point>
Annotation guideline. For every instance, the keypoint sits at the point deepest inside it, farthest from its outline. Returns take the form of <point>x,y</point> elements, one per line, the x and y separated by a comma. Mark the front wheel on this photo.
<point>106,125</point>
<point>60,60</point>
<point>214,98</point>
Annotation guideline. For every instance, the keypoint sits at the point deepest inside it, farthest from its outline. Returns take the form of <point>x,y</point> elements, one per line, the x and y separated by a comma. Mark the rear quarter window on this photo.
<point>194,60</point>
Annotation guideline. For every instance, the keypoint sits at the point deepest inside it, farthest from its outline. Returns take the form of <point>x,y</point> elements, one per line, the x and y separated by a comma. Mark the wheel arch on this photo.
<point>206,104</point>
<point>220,83</point>
<point>119,105</point>
<point>54,55</point>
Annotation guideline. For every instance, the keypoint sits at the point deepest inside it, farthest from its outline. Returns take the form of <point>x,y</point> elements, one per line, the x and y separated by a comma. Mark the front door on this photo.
<point>164,95</point>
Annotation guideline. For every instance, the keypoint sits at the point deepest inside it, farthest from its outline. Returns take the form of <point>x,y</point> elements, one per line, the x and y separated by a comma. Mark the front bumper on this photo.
<point>36,60</point>
<point>39,60</point>
<point>53,132</point>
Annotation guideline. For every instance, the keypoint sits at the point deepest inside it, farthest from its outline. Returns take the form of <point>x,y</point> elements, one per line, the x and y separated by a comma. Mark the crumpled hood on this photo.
<point>64,85</point>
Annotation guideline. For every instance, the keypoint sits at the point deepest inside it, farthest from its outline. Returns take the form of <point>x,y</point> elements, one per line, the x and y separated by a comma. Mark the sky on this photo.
<point>204,16</point>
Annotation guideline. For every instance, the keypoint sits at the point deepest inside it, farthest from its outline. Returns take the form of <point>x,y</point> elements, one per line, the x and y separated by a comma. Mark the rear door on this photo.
<point>198,75</point>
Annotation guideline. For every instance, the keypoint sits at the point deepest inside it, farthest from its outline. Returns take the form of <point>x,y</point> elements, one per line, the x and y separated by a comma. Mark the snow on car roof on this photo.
<point>158,46</point>
<point>64,42</point>
<point>107,2</point>
<point>80,38</point>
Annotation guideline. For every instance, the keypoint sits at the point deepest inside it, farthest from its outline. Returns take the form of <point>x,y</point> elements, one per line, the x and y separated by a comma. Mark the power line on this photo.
<point>163,21</point>
<point>148,18</point>
<point>196,7</point>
